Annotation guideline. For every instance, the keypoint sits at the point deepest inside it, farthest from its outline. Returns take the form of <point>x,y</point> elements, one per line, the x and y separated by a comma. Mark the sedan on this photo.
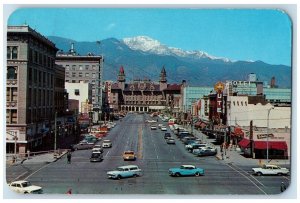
<point>163,128</point>
<point>153,127</point>
<point>25,187</point>
<point>186,170</point>
<point>270,170</point>
<point>170,141</point>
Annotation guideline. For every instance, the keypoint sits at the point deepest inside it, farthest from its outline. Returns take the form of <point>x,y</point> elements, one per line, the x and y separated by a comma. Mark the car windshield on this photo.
<point>106,141</point>
<point>128,152</point>
<point>26,184</point>
<point>95,155</point>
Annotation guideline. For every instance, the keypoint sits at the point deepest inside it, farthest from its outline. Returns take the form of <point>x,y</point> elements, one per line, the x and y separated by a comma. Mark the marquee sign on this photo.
<point>219,87</point>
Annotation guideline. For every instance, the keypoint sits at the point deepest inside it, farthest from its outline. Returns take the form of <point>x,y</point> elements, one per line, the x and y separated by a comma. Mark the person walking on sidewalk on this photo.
<point>69,156</point>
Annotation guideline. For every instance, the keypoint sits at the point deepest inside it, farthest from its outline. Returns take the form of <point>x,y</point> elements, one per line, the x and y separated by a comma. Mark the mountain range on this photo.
<point>143,57</point>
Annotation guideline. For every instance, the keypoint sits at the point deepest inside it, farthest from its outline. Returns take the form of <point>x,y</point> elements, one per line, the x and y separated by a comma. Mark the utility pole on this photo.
<point>55,131</point>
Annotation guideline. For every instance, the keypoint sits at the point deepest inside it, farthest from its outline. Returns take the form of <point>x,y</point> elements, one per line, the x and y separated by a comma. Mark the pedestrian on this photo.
<point>221,148</point>
<point>282,187</point>
<point>69,156</point>
<point>69,192</point>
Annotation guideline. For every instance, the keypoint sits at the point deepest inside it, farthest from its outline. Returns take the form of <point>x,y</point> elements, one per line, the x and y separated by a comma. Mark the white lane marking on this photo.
<point>107,153</point>
<point>19,176</point>
<point>38,170</point>
<point>248,179</point>
<point>251,176</point>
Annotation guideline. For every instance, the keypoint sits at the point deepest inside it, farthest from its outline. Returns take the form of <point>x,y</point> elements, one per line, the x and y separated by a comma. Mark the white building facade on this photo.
<point>82,92</point>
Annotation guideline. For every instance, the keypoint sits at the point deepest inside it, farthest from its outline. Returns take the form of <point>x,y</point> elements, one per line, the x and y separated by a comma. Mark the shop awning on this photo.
<point>244,143</point>
<point>279,145</point>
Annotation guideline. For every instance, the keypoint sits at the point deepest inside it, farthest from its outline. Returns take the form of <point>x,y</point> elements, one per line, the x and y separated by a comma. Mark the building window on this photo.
<point>87,67</point>
<point>80,74</point>
<point>73,67</point>
<point>73,74</point>
<point>35,57</point>
<point>87,74</point>
<point>11,72</point>
<point>76,92</point>
<point>12,52</point>
<point>67,67</point>
<point>93,75</point>
<point>234,103</point>
<point>80,67</point>
<point>245,103</point>
<point>94,67</point>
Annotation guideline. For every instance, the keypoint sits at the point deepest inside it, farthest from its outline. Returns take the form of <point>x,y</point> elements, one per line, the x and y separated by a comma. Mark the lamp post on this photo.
<point>55,131</point>
<point>269,110</point>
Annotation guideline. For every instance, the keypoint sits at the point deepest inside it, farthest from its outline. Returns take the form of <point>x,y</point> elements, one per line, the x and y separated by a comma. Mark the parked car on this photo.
<point>129,155</point>
<point>270,170</point>
<point>160,125</point>
<point>163,128</point>
<point>194,145</point>
<point>106,144</point>
<point>167,135</point>
<point>96,157</point>
<point>151,121</point>
<point>25,187</point>
<point>186,170</point>
<point>124,172</point>
<point>153,127</point>
<point>206,152</point>
<point>170,141</point>
<point>82,145</point>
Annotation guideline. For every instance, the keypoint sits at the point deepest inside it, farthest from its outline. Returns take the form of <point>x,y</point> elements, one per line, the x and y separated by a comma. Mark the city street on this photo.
<point>154,157</point>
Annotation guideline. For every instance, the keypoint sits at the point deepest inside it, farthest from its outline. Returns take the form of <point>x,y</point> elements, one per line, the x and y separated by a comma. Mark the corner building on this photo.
<point>33,81</point>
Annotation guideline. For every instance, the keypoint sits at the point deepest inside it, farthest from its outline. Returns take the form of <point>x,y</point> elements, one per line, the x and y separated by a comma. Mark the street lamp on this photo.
<point>55,131</point>
<point>269,110</point>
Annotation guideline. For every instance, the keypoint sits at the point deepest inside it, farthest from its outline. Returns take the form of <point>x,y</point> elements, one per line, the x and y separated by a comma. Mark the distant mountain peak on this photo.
<point>147,44</point>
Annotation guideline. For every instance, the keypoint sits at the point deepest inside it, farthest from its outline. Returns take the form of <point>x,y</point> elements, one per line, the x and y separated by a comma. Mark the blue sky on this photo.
<point>249,34</point>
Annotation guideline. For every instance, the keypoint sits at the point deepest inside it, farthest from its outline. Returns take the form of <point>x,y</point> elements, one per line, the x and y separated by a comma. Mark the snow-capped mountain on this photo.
<point>144,57</point>
<point>147,44</point>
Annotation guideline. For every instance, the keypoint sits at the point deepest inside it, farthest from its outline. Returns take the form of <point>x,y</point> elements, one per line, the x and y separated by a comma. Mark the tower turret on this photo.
<point>163,79</point>
<point>121,78</point>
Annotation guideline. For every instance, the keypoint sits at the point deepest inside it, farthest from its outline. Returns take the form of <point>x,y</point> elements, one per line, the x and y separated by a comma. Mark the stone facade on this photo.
<point>30,88</point>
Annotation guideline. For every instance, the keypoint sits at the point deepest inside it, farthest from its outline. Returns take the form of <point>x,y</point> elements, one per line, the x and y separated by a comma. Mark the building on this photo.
<point>86,69</point>
<point>31,87</point>
<point>142,95</point>
<point>82,92</point>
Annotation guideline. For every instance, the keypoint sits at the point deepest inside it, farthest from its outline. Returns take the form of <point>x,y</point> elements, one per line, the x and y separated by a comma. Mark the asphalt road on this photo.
<point>154,157</point>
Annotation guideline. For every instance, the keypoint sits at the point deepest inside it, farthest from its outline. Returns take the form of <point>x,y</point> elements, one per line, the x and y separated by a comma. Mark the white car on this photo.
<point>270,170</point>
<point>163,128</point>
<point>151,121</point>
<point>124,172</point>
<point>97,148</point>
<point>25,187</point>
<point>153,127</point>
<point>106,144</point>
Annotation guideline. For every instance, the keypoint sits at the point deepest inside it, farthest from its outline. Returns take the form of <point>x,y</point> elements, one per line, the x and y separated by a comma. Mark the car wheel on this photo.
<point>135,175</point>
<point>177,174</point>
<point>119,177</point>
<point>259,173</point>
<point>197,174</point>
<point>280,174</point>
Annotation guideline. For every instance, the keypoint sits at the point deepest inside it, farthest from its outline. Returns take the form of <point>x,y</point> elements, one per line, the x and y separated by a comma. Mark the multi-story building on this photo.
<point>31,85</point>
<point>86,69</point>
<point>142,95</point>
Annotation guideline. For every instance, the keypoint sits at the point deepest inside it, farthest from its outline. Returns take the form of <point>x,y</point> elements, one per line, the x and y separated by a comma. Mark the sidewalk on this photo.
<point>43,158</point>
<point>236,156</point>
